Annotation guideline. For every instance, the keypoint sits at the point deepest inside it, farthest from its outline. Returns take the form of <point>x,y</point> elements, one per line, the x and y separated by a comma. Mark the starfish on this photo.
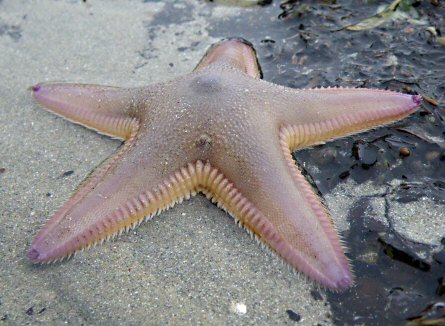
<point>222,131</point>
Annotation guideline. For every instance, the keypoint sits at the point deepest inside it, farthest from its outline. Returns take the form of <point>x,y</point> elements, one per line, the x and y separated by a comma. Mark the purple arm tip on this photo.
<point>344,283</point>
<point>33,255</point>
<point>417,99</point>
<point>35,88</point>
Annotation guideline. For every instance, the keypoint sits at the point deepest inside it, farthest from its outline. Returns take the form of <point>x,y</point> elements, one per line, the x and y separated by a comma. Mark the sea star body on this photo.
<point>222,131</point>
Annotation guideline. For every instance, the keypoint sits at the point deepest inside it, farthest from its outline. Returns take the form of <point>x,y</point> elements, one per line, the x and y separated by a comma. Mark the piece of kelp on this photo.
<point>375,20</point>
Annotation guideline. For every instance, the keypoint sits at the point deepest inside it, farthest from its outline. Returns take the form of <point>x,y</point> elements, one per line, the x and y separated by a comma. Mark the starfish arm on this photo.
<point>273,200</point>
<point>234,53</point>
<point>117,197</point>
<point>105,109</point>
<point>315,116</point>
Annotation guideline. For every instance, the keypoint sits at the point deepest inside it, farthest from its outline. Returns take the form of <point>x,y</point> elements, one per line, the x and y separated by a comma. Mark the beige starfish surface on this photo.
<point>221,131</point>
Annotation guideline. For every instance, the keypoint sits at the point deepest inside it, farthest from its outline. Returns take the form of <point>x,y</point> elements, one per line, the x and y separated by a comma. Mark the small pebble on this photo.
<point>404,151</point>
<point>432,155</point>
<point>293,315</point>
<point>239,307</point>
<point>67,173</point>
<point>344,175</point>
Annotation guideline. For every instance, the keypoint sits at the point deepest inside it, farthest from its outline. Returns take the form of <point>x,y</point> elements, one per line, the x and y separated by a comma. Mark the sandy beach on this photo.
<point>190,265</point>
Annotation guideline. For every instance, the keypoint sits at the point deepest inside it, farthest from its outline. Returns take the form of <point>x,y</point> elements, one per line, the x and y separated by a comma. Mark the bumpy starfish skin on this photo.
<point>222,131</point>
